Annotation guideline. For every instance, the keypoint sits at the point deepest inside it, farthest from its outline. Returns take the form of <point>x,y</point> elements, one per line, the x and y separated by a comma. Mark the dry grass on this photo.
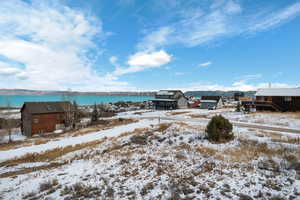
<point>288,140</point>
<point>178,113</point>
<point>250,150</point>
<point>270,134</point>
<point>41,141</point>
<point>198,116</point>
<point>110,124</point>
<point>31,169</point>
<point>297,115</point>
<point>206,151</point>
<point>164,126</point>
<point>50,155</point>
<point>14,145</point>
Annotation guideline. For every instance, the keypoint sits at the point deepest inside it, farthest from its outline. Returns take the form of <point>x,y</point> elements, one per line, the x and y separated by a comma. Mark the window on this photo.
<point>287,98</point>
<point>35,121</point>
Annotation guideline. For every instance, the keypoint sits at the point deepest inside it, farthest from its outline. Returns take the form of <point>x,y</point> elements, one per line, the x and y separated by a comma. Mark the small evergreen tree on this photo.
<point>95,114</point>
<point>238,107</point>
<point>219,129</point>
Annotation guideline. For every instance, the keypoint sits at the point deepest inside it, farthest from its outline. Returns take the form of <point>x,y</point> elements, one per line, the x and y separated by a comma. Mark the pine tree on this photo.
<point>95,114</point>
<point>219,129</point>
<point>238,107</point>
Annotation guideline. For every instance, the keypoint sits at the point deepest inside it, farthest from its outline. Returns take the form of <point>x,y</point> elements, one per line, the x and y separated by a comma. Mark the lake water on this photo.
<point>18,100</point>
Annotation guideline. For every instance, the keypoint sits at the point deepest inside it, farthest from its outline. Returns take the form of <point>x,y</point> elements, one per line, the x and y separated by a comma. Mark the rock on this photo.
<point>295,166</point>
<point>245,197</point>
<point>269,165</point>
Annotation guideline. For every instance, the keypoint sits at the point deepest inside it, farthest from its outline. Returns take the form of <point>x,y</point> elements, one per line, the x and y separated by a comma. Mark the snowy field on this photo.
<point>10,114</point>
<point>164,155</point>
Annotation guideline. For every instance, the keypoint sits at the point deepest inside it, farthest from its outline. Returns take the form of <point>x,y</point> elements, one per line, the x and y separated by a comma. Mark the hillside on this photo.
<point>218,93</point>
<point>164,159</point>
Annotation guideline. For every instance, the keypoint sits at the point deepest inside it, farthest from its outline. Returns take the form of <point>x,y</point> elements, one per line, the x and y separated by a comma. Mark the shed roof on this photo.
<point>46,107</point>
<point>293,92</point>
<point>208,101</point>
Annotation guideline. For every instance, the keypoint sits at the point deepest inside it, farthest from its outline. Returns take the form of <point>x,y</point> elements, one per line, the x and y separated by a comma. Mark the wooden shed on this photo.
<point>44,117</point>
<point>278,99</point>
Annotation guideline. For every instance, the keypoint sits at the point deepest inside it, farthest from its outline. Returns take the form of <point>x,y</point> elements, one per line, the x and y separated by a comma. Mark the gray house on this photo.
<point>170,99</point>
<point>211,102</point>
<point>205,104</point>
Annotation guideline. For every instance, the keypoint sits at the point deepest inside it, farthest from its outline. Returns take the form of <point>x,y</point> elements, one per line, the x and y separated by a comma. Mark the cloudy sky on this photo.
<point>125,45</point>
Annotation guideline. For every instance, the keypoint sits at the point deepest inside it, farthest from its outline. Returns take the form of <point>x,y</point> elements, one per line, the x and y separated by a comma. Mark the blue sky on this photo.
<point>138,45</point>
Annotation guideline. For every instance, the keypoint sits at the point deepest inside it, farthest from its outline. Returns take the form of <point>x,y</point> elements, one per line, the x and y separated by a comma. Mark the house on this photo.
<point>278,99</point>
<point>206,104</point>
<point>44,117</point>
<point>218,100</point>
<point>170,99</point>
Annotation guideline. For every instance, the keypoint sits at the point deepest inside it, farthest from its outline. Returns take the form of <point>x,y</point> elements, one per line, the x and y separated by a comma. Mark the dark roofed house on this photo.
<point>43,117</point>
<point>215,101</point>
<point>278,99</point>
<point>170,99</point>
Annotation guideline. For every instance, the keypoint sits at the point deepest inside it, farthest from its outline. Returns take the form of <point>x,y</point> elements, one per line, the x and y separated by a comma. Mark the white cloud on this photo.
<point>232,7</point>
<point>144,60</point>
<point>55,44</point>
<point>113,60</point>
<point>276,18</point>
<point>222,19</point>
<point>155,39</point>
<point>205,64</point>
<point>7,70</point>
<point>240,86</point>
<point>149,59</point>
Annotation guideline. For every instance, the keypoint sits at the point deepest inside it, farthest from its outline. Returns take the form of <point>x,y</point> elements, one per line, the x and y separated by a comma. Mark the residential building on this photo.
<point>170,99</point>
<point>278,99</point>
<point>44,117</point>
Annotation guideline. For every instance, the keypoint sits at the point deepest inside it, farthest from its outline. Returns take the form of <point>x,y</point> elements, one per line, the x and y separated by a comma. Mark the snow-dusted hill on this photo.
<point>157,159</point>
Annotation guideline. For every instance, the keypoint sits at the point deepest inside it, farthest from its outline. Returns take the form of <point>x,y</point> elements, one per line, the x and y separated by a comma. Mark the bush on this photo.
<point>219,129</point>
<point>238,107</point>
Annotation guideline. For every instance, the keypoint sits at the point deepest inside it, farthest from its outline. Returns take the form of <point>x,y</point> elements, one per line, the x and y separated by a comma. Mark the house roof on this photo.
<point>171,100</point>
<point>167,92</point>
<point>46,107</point>
<point>293,92</point>
<point>208,101</point>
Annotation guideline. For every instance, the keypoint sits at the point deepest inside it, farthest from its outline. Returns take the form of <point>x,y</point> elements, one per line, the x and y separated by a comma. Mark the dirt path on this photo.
<point>238,124</point>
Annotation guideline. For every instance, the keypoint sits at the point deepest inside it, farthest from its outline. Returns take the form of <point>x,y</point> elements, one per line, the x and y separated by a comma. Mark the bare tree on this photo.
<point>7,122</point>
<point>71,110</point>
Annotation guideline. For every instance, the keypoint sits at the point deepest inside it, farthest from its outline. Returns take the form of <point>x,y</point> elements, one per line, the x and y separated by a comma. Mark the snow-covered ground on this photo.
<point>161,157</point>
<point>284,120</point>
<point>10,114</point>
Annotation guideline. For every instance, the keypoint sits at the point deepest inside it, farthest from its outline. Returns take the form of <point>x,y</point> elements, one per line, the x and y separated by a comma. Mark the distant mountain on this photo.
<point>218,93</point>
<point>71,93</point>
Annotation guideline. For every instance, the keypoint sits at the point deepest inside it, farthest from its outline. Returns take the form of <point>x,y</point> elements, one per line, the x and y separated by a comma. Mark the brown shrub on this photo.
<point>198,116</point>
<point>164,126</point>
<point>178,113</point>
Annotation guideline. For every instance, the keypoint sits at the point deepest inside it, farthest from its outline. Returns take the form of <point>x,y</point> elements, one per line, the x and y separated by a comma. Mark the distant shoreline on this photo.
<point>71,93</point>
